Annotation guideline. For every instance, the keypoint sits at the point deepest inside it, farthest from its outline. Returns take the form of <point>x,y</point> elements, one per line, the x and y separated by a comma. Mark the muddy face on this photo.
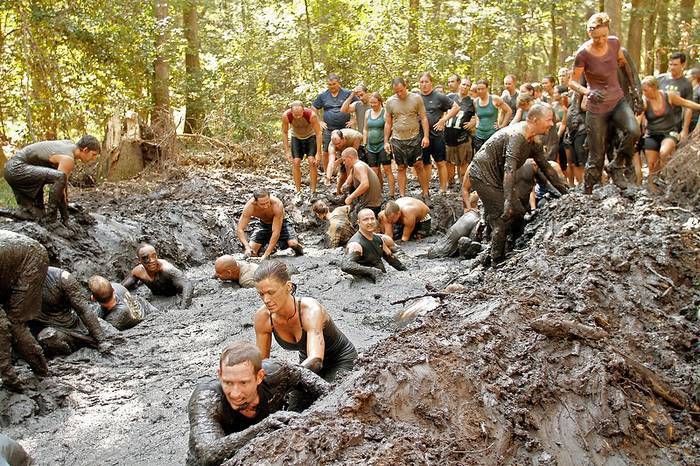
<point>149,259</point>
<point>274,294</point>
<point>240,384</point>
<point>263,202</point>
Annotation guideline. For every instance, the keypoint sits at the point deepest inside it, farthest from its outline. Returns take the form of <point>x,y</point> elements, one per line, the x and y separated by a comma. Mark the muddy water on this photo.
<point>129,407</point>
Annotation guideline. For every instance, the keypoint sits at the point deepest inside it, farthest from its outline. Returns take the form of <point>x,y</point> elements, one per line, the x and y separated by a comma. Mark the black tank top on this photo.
<point>338,347</point>
<point>372,251</point>
<point>663,122</point>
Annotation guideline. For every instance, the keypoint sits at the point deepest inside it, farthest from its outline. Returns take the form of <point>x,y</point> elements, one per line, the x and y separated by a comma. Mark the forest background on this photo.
<point>232,67</point>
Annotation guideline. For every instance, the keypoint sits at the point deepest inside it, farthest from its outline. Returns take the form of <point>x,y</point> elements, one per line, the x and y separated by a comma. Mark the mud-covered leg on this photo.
<point>28,348</point>
<point>54,342</point>
<point>7,372</point>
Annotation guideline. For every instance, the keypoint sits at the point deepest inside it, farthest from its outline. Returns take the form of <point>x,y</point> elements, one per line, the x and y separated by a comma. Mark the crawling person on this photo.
<point>245,401</point>
<point>23,265</point>
<point>366,250</point>
<point>227,268</point>
<point>340,228</point>
<point>272,229</point>
<point>42,163</point>
<point>66,322</point>
<point>463,236</point>
<point>299,324</point>
<point>160,276</point>
<point>408,217</point>
<point>117,306</point>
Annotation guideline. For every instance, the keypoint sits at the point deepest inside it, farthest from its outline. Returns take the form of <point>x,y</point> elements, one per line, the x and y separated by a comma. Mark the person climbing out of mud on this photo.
<point>492,172</point>
<point>366,249</point>
<point>42,163</point>
<point>118,307</point>
<point>342,139</point>
<point>299,324</point>
<point>246,400</point>
<point>227,268</point>
<point>340,228</point>
<point>272,229</point>
<point>160,276</point>
<point>23,266</point>
<point>406,218</point>
<point>66,322</point>
<point>367,189</point>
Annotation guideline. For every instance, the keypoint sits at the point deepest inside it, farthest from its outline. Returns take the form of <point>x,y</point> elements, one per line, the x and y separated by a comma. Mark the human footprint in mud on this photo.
<point>493,171</point>
<point>117,306</point>
<point>366,249</point>
<point>66,321</point>
<point>160,276</point>
<point>299,324</point>
<point>228,268</point>
<point>247,400</point>
<point>42,163</point>
<point>23,265</point>
<point>407,216</point>
<point>340,228</point>
<point>272,229</point>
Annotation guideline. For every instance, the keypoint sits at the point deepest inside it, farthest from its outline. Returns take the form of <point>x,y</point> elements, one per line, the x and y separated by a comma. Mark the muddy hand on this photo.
<point>105,347</point>
<point>282,418</point>
<point>596,96</point>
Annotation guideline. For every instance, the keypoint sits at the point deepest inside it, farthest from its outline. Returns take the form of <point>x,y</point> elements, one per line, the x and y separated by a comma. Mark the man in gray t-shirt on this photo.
<point>41,163</point>
<point>674,81</point>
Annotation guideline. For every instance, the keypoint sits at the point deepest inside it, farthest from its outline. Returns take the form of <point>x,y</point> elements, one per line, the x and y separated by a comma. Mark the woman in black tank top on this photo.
<point>298,324</point>
<point>660,138</point>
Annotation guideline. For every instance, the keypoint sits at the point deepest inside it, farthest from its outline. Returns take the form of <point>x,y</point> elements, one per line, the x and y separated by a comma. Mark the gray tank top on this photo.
<point>373,197</point>
<point>39,152</point>
<point>662,122</point>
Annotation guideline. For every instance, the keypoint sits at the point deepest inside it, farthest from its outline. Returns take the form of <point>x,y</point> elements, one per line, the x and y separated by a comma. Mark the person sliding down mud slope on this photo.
<point>66,321</point>
<point>117,306</point>
<point>160,276</point>
<point>247,400</point>
<point>366,249</point>
<point>272,229</point>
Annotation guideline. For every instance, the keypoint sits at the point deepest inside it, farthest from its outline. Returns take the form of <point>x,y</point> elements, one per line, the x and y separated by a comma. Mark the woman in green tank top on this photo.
<point>487,108</point>
<point>373,138</point>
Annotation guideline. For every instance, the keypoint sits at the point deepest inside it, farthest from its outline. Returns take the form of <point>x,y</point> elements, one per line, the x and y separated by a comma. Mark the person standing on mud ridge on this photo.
<point>160,276</point>
<point>306,141</point>
<point>366,249</point>
<point>493,171</point>
<point>228,268</point>
<point>407,217</point>
<point>119,307</point>
<point>41,163</point>
<point>299,324</point>
<point>66,321</point>
<point>367,190</point>
<point>246,401</point>
<point>23,266</point>
<point>272,229</point>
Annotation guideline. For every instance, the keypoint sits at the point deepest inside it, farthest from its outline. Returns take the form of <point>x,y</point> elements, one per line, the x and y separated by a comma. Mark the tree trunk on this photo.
<point>413,13</point>
<point>614,9</point>
<point>554,51</point>
<point>309,44</point>
<point>664,45</point>
<point>194,103</point>
<point>162,120</point>
<point>650,36</point>
<point>634,35</point>
<point>686,23</point>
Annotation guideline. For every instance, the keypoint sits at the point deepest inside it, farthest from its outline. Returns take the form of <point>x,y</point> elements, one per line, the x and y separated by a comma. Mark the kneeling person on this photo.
<point>118,307</point>
<point>246,401</point>
<point>340,228</point>
<point>160,276</point>
<point>228,268</point>
<point>366,250</point>
<point>410,218</point>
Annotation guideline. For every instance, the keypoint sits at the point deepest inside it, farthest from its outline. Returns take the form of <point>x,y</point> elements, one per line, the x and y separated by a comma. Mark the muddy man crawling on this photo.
<point>160,276</point>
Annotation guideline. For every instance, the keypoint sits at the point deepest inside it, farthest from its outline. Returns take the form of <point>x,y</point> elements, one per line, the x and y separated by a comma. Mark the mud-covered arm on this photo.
<point>544,182</point>
<point>81,305</point>
<point>351,264</point>
<point>283,377</point>
<point>131,282</point>
<point>514,148</point>
<point>207,437</point>
<point>184,286</point>
<point>390,257</point>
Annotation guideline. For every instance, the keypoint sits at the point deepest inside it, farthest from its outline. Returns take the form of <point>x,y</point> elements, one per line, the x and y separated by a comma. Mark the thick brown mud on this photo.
<point>576,351</point>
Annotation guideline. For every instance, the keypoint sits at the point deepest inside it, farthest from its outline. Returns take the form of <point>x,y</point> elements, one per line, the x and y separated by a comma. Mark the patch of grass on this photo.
<point>7,199</point>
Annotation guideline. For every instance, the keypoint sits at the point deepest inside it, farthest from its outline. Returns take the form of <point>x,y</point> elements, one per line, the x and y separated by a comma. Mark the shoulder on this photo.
<point>205,393</point>
<point>582,51</point>
<point>261,318</point>
<point>613,40</point>
<point>313,311</point>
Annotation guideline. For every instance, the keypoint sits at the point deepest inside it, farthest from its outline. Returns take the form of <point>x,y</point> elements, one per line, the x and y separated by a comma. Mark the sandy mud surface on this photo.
<point>581,349</point>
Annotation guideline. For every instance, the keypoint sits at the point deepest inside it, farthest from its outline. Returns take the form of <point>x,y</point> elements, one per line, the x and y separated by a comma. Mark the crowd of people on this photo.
<point>506,153</point>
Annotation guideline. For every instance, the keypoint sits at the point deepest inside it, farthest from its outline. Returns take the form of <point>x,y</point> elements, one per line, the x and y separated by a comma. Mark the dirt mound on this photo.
<point>683,174</point>
<point>573,352</point>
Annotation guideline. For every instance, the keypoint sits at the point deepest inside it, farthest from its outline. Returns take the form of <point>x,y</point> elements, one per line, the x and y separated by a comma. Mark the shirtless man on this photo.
<point>117,306</point>
<point>342,139</point>
<point>160,276</point>
<point>410,218</point>
<point>246,400</point>
<point>367,190</point>
<point>66,322</point>
<point>41,163</point>
<point>23,265</point>
<point>228,268</point>
<point>365,250</point>
<point>340,228</point>
<point>273,228</point>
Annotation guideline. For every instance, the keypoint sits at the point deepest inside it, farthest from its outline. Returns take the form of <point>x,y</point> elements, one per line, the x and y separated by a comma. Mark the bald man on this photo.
<point>227,268</point>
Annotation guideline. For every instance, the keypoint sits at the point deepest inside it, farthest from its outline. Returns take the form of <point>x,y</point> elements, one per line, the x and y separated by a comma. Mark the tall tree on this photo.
<point>614,9</point>
<point>161,118</point>
<point>687,14</point>
<point>650,36</point>
<point>662,39</point>
<point>194,100</point>
<point>413,17</point>
<point>634,35</point>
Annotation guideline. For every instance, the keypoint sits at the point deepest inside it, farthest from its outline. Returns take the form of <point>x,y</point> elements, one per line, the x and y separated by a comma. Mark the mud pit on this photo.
<point>573,352</point>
